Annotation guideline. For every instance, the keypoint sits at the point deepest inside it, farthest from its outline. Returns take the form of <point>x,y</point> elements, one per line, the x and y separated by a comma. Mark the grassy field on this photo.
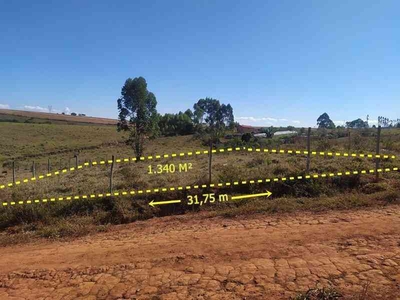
<point>23,141</point>
<point>26,142</point>
<point>41,117</point>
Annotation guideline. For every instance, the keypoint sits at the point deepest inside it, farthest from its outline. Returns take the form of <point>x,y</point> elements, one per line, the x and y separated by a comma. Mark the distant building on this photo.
<point>248,129</point>
<point>264,135</point>
<point>285,132</point>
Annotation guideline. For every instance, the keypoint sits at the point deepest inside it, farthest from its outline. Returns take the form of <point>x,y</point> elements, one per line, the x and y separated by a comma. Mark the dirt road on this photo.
<point>193,257</point>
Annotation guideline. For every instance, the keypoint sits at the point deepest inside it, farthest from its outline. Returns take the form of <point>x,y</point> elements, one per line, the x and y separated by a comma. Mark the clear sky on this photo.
<point>276,62</point>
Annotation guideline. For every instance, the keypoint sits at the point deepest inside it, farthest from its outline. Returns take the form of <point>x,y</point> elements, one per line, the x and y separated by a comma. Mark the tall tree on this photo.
<point>218,117</point>
<point>189,113</point>
<point>198,113</point>
<point>324,121</point>
<point>137,113</point>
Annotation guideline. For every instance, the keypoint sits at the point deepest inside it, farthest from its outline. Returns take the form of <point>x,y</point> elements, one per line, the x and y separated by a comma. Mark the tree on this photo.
<point>73,114</point>
<point>189,113</point>
<point>176,124</point>
<point>218,117</point>
<point>324,121</point>
<point>137,113</point>
<point>198,114</point>
<point>269,132</point>
<point>359,123</point>
<point>291,128</point>
<point>386,122</point>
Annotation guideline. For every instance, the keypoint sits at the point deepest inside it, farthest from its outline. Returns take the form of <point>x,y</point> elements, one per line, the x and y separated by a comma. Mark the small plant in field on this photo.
<point>319,294</point>
<point>256,162</point>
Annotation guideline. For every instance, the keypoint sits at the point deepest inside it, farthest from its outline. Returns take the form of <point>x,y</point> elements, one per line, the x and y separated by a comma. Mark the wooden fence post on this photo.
<point>348,131</point>
<point>13,167</point>
<point>378,149</point>
<point>308,149</point>
<point>209,161</point>
<point>76,161</point>
<point>111,175</point>
<point>48,165</point>
<point>33,169</point>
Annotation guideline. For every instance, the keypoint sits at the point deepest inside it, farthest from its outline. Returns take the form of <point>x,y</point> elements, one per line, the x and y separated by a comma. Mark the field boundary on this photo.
<point>196,153</point>
<point>190,187</point>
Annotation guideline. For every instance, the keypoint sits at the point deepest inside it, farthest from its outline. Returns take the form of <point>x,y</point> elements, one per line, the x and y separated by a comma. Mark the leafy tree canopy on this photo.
<point>176,124</point>
<point>215,115</point>
<point>324,121</point>
<point>137,112</point>
<point>269,131</point>
<point>359,123</point>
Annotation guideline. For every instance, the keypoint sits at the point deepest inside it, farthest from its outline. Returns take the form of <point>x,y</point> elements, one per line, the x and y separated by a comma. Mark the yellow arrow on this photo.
<point>268,193</point>
<point>152,203</point>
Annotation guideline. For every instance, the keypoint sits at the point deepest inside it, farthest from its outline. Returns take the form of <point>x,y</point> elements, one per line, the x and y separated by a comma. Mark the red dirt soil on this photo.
<point>195,257</point>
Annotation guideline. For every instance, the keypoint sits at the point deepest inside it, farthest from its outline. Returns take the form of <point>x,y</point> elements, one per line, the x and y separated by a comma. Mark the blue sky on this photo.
<point>276,62</point>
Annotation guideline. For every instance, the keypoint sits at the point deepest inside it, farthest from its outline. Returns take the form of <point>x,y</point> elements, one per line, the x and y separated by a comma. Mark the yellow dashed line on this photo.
<point>221,150</point>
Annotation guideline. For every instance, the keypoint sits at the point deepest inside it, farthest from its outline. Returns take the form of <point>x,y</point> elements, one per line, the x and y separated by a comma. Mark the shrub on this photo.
<point>371,188</point>
<point>231,173</point>
<point>246,137</point>
<point>233,143</point>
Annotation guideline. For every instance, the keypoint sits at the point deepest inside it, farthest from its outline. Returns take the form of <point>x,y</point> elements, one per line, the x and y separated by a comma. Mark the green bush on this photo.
<point>246,137</point>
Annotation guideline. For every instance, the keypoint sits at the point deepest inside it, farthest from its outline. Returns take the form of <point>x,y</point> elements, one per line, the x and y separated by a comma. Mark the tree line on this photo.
<point>324,121</point>
<point>138,115</point>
